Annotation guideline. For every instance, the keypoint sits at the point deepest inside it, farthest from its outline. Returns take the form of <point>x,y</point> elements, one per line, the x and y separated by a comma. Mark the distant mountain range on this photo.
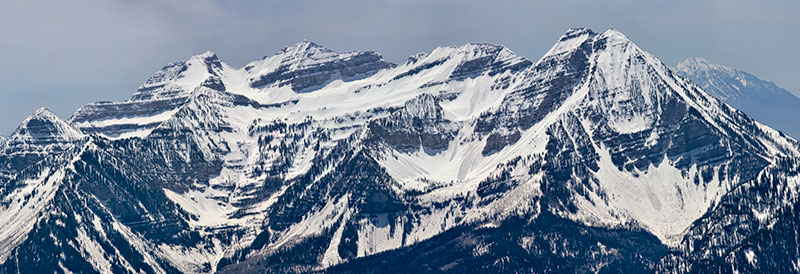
<point>471,159</point>
<point>763,100</point>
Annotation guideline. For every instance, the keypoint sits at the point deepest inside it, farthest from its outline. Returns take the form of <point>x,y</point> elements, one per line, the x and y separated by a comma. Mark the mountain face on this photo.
<point>595,158</point>
<point>762,100</point>
<point>41,134</point>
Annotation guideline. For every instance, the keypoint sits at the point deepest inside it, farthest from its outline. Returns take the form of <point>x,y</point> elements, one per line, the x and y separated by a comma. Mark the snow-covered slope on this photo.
<point>762,100</point>
<point>312,158</point>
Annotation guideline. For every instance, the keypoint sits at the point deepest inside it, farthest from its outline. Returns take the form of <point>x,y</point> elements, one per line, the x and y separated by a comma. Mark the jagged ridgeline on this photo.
<point>595,158</point>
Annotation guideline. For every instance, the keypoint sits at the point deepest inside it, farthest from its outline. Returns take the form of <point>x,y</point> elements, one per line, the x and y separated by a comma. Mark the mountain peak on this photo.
<point>571,40</point>
<point>465,52</point>
<point>576,32</point>
<point>44,126</point>
<point>700,64</point>
<point>208,60</point>
<point>482,46</point>
<point>43,112</point>
<point>612,38</point>
<point>184,76</point>
<point>469,49</point>
<point>614,33</point>
<point>286,68</point>
<point>761,99</point>
<point>473,59</point>
<point>205,55</point>
<point>417,57</point>
<point>302,53</point>
<point>303,47</point>
<point>697,60</point>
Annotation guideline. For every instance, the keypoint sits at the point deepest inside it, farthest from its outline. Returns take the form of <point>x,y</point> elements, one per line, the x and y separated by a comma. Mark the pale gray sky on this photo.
<point>63,54</point>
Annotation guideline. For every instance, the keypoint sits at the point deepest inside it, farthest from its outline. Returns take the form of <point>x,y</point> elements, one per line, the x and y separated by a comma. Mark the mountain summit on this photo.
<point>44,127</point>
<point>41,134</point>
<point>763,100</point>
<point>595,158</point>
<point>306,66</point>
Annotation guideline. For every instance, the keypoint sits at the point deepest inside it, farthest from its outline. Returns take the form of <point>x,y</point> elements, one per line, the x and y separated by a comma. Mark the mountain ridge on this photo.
<point>764,100</point>
<point>209,168</point>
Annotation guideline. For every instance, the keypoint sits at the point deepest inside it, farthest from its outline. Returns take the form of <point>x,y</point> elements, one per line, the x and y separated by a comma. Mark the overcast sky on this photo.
<point>63,54</point>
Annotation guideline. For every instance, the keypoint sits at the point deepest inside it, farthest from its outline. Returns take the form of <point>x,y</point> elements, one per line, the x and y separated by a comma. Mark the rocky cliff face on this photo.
<point>597,157</point>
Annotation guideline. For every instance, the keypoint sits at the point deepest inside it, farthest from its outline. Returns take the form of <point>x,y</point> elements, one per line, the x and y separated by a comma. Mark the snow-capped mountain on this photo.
<point>596,157</point>
<point>763,100</point>
<point>41,134</point>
